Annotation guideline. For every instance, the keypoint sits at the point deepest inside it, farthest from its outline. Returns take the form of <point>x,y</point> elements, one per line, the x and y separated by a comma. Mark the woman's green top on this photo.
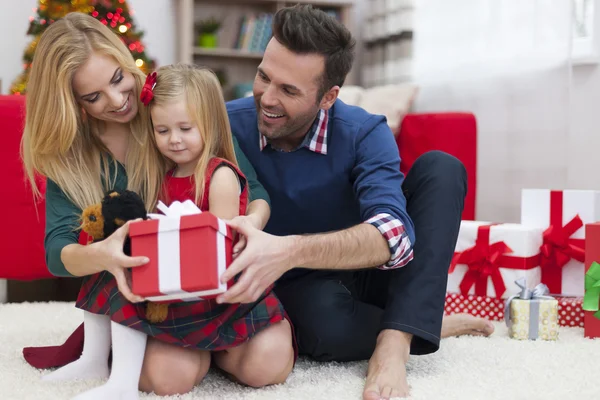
<point>62,216</point>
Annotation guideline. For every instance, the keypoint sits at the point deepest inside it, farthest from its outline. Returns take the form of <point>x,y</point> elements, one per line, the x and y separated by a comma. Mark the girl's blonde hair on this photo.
<point>201,91</point>
<point>58,141</point>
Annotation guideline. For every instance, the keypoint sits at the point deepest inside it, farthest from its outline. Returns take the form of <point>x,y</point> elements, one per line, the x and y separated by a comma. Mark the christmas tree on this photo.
<point>113,13</point>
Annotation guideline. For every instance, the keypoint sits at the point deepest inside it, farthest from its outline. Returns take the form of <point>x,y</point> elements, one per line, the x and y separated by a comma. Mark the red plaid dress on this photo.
<point>203,324</point>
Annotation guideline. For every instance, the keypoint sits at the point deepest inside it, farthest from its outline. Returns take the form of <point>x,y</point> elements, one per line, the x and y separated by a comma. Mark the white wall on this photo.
<point>157,22</point>
<point>13,29</point>
<point>582,153</point>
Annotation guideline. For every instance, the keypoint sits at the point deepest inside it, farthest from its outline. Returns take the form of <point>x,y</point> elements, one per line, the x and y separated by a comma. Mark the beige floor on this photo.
<point>465,368</point>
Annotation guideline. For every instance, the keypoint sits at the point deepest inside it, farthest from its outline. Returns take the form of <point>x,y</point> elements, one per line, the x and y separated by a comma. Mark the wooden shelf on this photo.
<point>322,3</point>
<point>238,67</point>
<point>405,35</point>
<point>283,3</point>
<point>224,52</point>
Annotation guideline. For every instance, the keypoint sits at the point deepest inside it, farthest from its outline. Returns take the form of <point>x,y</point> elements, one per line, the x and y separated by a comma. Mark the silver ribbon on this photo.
<point>538,293</point>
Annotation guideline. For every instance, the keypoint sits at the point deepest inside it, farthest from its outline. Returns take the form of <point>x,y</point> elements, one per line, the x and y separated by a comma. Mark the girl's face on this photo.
<point>177,136</point>
<point>105,91</point>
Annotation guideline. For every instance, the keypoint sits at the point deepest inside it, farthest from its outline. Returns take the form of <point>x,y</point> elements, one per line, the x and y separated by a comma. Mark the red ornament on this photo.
<point>119,10</point>
<point>103,21</point>
<point>109,15</point>
<point>113,24</point>
<point>94,14</point>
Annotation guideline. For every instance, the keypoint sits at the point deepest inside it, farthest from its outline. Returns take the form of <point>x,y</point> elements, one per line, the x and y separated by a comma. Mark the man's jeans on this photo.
<point>337,315</point>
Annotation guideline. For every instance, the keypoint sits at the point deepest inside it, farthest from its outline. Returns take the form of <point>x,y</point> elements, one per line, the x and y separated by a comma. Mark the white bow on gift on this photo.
<point>176,209</point>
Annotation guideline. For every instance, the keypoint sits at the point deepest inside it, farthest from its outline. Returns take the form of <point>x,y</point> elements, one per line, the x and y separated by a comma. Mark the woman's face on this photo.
<point>105,91</point>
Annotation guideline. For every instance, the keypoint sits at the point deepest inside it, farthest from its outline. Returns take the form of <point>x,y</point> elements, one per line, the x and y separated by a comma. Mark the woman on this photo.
<point>86,133</point>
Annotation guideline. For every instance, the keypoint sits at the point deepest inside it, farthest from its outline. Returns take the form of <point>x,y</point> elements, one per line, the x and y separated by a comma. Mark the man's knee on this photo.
<point>441,168</point>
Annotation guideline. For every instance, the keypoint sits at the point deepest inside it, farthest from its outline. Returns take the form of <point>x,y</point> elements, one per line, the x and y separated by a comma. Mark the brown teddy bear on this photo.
<point>100,220</point>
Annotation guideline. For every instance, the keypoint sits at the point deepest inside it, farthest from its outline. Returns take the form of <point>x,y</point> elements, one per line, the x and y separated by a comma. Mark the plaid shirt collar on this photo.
<point>316,138</point>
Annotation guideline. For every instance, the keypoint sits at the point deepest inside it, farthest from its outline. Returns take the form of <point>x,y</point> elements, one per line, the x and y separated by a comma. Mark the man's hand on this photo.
<point>253,221</point>
<point>262,262</point>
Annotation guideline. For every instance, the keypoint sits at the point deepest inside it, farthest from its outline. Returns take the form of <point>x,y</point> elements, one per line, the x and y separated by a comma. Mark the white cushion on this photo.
<point>394,101</point>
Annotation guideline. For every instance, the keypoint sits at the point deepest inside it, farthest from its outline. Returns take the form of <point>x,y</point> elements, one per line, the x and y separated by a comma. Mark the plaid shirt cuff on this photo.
<point>393,231</point>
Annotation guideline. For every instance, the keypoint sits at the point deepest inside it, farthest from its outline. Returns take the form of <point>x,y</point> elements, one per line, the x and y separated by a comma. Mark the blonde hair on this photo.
<point>202,93</point>
<point>58,141</point>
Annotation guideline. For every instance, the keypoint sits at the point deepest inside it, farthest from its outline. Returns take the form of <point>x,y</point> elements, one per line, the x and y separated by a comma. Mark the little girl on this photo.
<point>253,342</point>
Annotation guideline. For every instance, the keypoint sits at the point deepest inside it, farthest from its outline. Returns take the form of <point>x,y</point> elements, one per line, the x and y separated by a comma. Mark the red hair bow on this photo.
<point>147,91</point>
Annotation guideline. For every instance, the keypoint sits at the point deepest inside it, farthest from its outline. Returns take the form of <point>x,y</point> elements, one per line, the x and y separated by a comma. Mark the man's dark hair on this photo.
<point>307,30</point>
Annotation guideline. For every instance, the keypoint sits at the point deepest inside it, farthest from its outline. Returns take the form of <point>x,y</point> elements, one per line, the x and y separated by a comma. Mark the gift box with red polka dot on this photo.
<point>490,308</point>
<point>570,312</point>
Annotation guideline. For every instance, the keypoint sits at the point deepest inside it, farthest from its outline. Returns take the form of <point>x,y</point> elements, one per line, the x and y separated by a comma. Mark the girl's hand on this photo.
<point>110,255</point>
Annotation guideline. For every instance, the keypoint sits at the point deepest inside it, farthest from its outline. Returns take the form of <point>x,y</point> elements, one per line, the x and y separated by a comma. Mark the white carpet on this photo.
<point>465,368</point>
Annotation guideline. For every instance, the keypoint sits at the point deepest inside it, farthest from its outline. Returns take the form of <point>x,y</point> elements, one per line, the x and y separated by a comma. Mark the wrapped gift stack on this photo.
<point>563,215</point>
<point>547,247</point>
<point>488,256</point>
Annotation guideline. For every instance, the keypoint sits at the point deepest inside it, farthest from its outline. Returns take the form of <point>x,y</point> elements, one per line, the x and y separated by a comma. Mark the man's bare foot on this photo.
<point>386,376</point>
<point>465,324</point>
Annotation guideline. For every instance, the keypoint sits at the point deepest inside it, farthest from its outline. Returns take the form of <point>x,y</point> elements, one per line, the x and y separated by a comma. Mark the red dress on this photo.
<point>204,324</point>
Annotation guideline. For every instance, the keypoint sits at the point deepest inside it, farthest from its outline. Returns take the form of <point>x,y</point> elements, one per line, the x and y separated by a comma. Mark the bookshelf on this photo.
<point>388,42</point>
<point>244,32</point>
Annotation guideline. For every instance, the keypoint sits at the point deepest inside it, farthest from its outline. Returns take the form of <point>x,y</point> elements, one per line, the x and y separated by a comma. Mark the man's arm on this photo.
<point>354,248</point>
<point>384,240</point>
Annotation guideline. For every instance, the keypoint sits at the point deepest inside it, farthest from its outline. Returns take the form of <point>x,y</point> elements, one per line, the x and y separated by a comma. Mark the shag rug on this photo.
<point>464,368</point>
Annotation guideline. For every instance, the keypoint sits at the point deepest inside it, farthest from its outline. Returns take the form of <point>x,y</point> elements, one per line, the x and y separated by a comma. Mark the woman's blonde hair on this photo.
<point>58,141</point>
<point>201,91</point>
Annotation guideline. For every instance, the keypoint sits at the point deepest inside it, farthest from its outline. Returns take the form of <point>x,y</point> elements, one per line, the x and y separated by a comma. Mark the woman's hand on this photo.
<point>110,256</point>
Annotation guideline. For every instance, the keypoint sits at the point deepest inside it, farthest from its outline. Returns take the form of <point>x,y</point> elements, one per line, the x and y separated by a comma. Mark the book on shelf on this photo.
<point>255,30</point>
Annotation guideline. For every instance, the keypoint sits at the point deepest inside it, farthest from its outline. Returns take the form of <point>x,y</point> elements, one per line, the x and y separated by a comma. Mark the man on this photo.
<point>360,256</point>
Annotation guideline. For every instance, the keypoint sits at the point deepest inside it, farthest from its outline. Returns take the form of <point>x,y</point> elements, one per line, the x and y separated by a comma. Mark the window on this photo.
<point>585,17</point>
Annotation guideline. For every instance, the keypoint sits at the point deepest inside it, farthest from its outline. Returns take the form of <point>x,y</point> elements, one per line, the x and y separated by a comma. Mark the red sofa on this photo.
<point>24,219</point>
<point>23,236</point>
<point>453,133</point>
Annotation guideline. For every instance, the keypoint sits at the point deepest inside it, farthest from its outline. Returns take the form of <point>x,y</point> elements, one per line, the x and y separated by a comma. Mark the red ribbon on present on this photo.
<point>148,90</point>
<point>484,261</point>
<point>558,249</point>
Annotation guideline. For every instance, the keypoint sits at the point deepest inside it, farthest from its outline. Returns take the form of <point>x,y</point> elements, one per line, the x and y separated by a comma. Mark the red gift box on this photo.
<point>570,312</point>
<point>490,308</point>
<point>591,324</point>
<point>188,255</point>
